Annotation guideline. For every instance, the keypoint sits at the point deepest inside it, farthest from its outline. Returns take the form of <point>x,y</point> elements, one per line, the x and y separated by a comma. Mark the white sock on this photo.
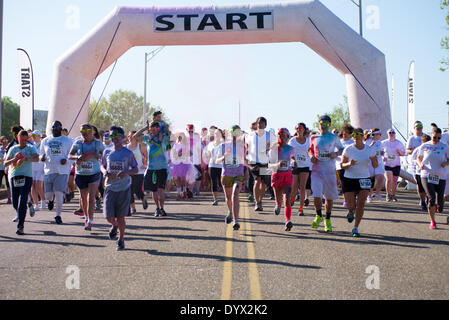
<point>179,190</point>
<point>59,200</point>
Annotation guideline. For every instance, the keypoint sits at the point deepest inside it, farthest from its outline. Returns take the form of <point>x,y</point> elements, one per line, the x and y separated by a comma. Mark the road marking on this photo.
<point>227,266</point>
<point>254,282</point>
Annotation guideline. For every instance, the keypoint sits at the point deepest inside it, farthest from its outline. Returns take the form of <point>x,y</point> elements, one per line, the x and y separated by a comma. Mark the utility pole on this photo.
<point>359,4</point>
<point>148,57</point>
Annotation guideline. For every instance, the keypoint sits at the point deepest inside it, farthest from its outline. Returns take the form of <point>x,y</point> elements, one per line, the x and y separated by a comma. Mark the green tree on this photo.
<point>445,41</point>
<point>339,115</point>
<point>122,108</point>
<point>10,117</point>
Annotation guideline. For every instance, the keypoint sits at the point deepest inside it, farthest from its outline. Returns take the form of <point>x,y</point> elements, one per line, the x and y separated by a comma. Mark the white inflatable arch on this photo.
<point>306,21</point>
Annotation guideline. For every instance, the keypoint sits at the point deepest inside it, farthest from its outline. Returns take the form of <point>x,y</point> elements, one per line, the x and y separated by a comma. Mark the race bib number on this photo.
<point>433,179</point>
<point>87,165</point>
<point>284,164</point>
<point>391,157</point>
<point>55,151</point>
<point>365,184</point>
<point>300,158</point>
<point>324,155</point>
<point>18,182</point>
<point>116,167</point>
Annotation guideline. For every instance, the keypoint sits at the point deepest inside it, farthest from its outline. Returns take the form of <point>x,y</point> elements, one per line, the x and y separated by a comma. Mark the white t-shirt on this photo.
<point>301,152</point>
<point>38,166</point>
<point>433,156</point>
<point>361,169</point>
<point>55,149</point>
<point>213,152</point>
<point>259,146</point>
<point>414,168</point>
<point>391,157</point>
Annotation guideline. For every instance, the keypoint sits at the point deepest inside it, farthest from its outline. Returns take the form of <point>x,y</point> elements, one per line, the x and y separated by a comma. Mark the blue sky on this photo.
<point>286,83</point>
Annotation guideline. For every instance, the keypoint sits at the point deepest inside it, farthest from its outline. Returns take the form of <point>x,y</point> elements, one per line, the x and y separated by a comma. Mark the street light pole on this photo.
<point>360,15</point>
<point>148,57</point>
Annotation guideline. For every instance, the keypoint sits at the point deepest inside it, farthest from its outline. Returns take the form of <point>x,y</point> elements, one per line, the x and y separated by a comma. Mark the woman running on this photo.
<point>433,158</point>
<point>87,152</point>
<point>181,168</point>
<point>393,151</point>
<point>140,154</point>
<point>377,174</point>
<point>345,140</point>
<point>355,161</point>
<point>302,165</point>
<point>282,178</point>
<point>214,168</point>
<point>20,157</point>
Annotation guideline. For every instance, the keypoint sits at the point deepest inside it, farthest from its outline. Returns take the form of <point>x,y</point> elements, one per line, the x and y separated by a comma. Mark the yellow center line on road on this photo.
<point>227,266</point>
<point>254,282</point>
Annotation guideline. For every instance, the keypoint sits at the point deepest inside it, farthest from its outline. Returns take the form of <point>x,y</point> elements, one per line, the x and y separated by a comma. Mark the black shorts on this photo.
<point>297,171</point>
<point>355,185</point>
<point>419,183</point>
<point>155,179</point>
<point>259,171</point>
<point>83,182</point>
<point>396,170</point>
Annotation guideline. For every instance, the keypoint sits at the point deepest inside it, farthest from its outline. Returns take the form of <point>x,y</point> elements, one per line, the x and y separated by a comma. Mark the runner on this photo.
<point>412,143</point>
<point>259,143</point>
<point>155,177</point>
<point>195,158</point>
<point>118,164</point>
<point>54,151</point>
<point>416,171</point>
<point>182,170</point>
<point>141,156</point>
<point>214,168</point>
<point>87,151</point>
<point>3,170</point>
<point>20,157</point>
<point>301,171</point>
<point>253,128</point>
<point>433,158</point>
<point>282,178</point>
<point>378,173</point>
<point>356,161</point>
<point>232,156</point>
<point>393,151</point>
<point>37,190</point>
<point>325,147</point>
<point>346,132</point>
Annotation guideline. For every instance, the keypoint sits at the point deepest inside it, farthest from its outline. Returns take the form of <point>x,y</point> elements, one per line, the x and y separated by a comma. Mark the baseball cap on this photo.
<point>325,119</point>
<point>36,133</point>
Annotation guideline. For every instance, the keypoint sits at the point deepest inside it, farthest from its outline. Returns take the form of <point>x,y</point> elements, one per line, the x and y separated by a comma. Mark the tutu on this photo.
<point>183,170</point>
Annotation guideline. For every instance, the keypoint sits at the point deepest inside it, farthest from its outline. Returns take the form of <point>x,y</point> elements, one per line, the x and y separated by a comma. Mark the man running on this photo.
<point>54,152</point>
<point>325,147</point>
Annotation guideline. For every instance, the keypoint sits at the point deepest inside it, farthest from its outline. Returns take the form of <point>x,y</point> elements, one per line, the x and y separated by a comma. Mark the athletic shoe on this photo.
<point>36,207</point>
<point>301,212</point>
<point>157,213</point>
<point>20,232</point>
<point>327,225</point>
<point>133,211</point>
<point>424,207</point>
<point>323,201</point>
<point>355,233</point>
<point>251,197</point>
<point>58,220</point>
<point>236,226</point>
<point>288,225</point>
<point>316,222</point>
<point>15,219</point>
<point>228,218</point>
<point>144,204</point>
<point>88,226</point>
<point>163,213</point>
<point>258,207</point>
<point>31,209</point>
<point>277,210</point>
<point>306,203</point>
<point>178,197</point>
<point>369,199</point>
<point>120,245</point>
<point>350,216</point>
<point>373,198</point>
<point>79,212</point>
<point>389,198</point>
<point>394,198</point>
<point>51,205</point>
<point>433,225</point>
<point>215,203</point>
<point>197,193</point>
<point>113,233</point>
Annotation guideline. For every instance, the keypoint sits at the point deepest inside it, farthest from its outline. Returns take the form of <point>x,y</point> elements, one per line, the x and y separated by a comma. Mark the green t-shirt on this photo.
<point>26,169</point>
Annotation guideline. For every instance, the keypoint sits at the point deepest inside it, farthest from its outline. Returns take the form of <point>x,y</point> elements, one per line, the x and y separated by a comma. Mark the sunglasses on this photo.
<point>325,124</point>
<point>115,135</point>
<point>85,130</point>
<point>419,127</point>
<point>436,138</point>
<point>56,127</point>
<point>356,134</point>
<point>391,132</point>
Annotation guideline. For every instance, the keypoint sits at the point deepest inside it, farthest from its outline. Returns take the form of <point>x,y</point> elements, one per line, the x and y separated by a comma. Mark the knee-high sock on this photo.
<point>288,213</point>
<point>59,200</point>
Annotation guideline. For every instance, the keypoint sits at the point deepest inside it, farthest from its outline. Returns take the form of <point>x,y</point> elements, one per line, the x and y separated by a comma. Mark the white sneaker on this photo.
<point>369,199</point>
<point>36,207</point>
<point>43,205</point>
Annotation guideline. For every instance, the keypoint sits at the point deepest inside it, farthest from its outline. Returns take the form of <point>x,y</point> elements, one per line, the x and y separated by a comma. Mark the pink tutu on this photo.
<point>183,170</point>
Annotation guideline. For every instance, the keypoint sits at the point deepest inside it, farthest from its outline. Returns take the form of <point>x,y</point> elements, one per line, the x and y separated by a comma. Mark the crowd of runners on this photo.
<point>111,169</point>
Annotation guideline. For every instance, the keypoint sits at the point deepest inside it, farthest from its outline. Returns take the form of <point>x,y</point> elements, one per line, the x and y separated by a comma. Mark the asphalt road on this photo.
<point>193,255</point>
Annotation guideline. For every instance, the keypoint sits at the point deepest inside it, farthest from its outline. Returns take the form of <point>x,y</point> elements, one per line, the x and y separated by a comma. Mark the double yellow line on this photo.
<point>254,283</point>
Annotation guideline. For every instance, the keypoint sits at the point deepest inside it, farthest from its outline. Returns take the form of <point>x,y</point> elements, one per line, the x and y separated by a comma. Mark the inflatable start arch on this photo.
<point>306,21</point>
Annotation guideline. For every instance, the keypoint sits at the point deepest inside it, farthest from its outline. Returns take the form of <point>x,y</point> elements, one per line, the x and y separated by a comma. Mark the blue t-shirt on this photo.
<point>156,153</point>
<point>26,169</point>
<point>115,162</point>
<point>89,167</point>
